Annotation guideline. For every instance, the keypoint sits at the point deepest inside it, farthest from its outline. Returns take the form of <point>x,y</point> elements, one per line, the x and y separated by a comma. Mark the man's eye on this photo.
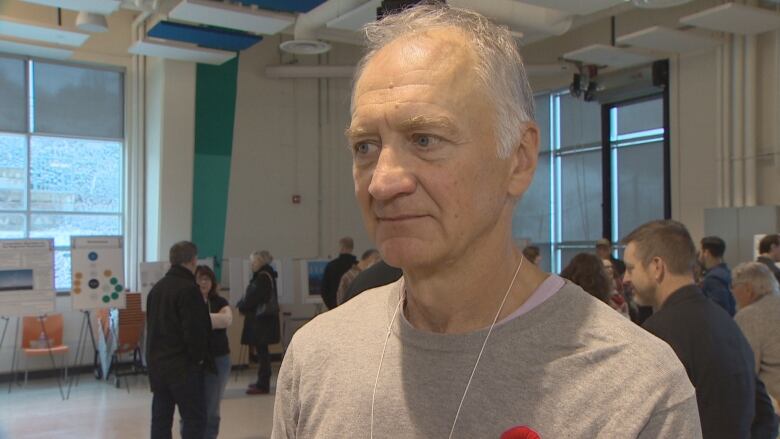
<point>364,149</point>
<point>425,140</point>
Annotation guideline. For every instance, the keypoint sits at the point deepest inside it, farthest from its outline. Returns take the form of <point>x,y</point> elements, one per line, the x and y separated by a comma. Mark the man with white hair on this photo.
<point>756,291</point>
<point>473,341</point>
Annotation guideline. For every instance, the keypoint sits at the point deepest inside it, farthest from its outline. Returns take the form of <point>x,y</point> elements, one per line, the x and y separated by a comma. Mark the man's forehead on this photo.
<point>438,53</point>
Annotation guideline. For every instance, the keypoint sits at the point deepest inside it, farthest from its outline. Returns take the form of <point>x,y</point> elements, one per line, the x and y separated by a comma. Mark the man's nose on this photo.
<point>393,175</point>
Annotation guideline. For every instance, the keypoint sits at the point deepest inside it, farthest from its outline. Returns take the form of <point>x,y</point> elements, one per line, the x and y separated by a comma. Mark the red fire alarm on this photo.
<point>296,199</point>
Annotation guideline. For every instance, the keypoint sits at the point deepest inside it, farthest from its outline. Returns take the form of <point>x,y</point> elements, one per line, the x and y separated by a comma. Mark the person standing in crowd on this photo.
<point>178,328</point>
<point>444,146</point>
<point>758,299</point>
<point>377,275</point>
<point>221,318</point>
<point>660,256</point>
<point>260,306</point>
<point>769,253</point>
<point>369,258</point>
<point>590,273</point>
<point>533,254</point>
<point>716,283</point>
<point>335,269</point>
<point>587,271</point>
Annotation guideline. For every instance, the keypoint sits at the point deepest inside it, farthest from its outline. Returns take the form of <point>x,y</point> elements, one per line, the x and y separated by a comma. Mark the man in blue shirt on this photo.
<point>716,284</point>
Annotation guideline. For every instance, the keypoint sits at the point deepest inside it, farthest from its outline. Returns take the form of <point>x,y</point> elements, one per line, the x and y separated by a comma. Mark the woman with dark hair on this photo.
<point>260,307</point>
<point>221,318</point>
<point>587,271</point>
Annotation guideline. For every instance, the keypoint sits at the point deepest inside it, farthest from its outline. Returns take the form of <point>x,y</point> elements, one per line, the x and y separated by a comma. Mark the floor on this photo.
<point>97,409</point>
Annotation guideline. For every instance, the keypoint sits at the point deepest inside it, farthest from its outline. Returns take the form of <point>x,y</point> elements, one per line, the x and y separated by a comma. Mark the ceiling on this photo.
<point>233,26</point>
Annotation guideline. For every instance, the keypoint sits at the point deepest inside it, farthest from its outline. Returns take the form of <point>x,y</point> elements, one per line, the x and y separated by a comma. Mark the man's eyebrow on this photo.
<point>409,125</point>
<point>428,122</point>
<point>353,133</point>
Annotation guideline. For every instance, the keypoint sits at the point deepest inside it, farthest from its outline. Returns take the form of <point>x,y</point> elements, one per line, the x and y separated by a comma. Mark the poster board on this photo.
<point>26,277</point>
<point>312,272</point>
<point>149,273</point>
<point>98,267</point>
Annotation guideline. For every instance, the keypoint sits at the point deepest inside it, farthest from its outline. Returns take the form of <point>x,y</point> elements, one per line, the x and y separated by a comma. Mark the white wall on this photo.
<point>288,140</point>
<point>170,153</point>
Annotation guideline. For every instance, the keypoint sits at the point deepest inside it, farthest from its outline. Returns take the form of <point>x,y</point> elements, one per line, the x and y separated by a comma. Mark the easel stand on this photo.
<point>85,333</point>
<point>2,339</point>
<point>13,358</point>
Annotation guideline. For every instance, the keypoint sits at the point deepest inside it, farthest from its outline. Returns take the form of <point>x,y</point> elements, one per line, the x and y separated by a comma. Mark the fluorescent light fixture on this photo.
<point>663,39</point>
<point>12,27</point>
<point>231,16</point>
<point>578,7</point>
<point>603,55</point>
<point>91,22</point>
<point>34,50</point>
<point>735,18</point>
<point>180,52</point>
<point>103,7</point>
<point>356,18</point>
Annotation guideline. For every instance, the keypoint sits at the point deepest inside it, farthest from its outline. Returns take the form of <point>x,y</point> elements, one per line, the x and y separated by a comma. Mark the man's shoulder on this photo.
<point>766,309</point>
<point>598,323</point>
<point>366,311</point>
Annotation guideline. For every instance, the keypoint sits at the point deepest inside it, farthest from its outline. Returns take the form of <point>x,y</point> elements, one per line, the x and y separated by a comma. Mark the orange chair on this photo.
<point>129,333</point>
<point>42,336</point>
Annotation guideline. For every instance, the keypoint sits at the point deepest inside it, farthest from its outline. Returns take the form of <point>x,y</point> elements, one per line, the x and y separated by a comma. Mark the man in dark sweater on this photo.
<point>177,329</point>
<point>335,269</point>
<point>769,253</point>
<point>659,257</point>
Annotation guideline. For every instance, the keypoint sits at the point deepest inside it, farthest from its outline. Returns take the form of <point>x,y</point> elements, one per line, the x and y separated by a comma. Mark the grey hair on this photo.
<point>262,255</point>
<point>499,66</point>
<point>757,275</point>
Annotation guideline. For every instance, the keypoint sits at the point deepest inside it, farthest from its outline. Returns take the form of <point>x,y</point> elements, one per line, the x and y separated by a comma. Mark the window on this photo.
<point>584,190</point>
<point>61,154</point>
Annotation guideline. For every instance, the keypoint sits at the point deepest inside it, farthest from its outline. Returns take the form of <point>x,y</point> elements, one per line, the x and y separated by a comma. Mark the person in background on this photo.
<point>369,258</point>
<point>616,298</point>
<point>660,256</point>
<point>758,300</point>
<point>335,269</point>
<point>260,306</point>
<point>178,328</point>
<point>716,283</point>
<point>533,254</point>
<point>769,253</point>
<point>590,273</point>
<point>377,275</point>
<point>221,318</point>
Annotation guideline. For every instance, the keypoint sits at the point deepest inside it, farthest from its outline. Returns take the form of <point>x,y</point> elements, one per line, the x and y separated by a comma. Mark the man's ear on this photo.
<point>523,158</point>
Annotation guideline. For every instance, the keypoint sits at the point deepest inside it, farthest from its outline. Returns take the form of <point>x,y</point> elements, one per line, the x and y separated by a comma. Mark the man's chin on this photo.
<point>405,252</point>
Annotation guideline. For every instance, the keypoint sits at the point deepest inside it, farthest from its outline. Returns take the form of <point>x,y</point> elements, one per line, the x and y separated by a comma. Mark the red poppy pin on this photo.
<point>520,432</point>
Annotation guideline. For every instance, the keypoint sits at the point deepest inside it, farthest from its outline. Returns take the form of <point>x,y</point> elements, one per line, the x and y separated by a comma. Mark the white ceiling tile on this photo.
<point>735,18</point>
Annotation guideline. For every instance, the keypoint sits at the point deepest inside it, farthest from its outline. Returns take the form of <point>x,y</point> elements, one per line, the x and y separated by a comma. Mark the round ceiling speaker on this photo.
<point>305,47</point>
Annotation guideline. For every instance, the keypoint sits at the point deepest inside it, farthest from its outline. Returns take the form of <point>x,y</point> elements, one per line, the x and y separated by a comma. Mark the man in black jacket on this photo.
<point>177,330</point>
<point>733,403</point>
<point>335,269</point>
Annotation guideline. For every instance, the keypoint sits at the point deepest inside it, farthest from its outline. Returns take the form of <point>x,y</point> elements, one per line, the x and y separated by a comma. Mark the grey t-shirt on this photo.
<point>760,321</point>
<point>570,368</point>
